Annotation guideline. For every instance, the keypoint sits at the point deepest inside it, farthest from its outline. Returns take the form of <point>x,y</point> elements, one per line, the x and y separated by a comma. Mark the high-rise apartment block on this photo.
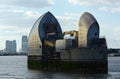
<point>24,44</point>
<point>11,46</point>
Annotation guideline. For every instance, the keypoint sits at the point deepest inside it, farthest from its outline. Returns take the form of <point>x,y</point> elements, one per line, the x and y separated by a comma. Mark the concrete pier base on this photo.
<point>84,66</point>
<point>35,62</point>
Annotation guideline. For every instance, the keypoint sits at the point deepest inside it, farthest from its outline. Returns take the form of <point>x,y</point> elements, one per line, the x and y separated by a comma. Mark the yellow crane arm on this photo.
<point>51,44</point>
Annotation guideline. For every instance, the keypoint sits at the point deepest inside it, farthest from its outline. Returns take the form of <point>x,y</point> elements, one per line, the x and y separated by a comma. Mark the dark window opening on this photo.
<point>40,46</point>
<point>95,34</point>
<point>49,27</point>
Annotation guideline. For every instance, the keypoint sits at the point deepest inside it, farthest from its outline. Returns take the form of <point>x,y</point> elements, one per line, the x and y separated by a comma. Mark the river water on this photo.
<point>15,67</point>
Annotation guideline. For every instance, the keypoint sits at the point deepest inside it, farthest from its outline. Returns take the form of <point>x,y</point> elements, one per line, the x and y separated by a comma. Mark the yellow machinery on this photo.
<point>72,33</point>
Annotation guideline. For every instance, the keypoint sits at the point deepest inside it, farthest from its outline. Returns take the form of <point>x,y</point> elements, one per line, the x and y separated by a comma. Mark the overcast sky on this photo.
<point>18,16</point>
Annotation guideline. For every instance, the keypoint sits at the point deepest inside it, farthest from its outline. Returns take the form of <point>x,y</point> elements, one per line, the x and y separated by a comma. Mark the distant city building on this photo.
<point>24,44</point>
<point>11,46</point>
<point>1,52</point>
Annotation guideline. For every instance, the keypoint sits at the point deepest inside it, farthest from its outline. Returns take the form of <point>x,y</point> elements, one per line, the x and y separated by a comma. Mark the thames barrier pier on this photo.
<point>49,50</point>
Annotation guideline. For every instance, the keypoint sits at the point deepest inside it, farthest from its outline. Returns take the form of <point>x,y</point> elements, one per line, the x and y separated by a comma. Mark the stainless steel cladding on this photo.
<point>46,30</point>
<point>88,30</point>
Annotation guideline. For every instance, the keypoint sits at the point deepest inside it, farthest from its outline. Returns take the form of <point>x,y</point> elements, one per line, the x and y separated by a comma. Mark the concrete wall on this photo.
<point>83,54</point>
<point>63,44</point>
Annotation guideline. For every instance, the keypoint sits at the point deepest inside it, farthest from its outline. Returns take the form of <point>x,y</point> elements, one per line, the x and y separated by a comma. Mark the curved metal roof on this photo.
<point>86,20</point>
<point>38,21</point>
<point>48,17</point>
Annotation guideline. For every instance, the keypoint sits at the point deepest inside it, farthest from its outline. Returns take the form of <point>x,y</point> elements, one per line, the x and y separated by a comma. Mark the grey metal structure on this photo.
<point>89,54</point>
<point>45,28</point>
<point>88,30</point>
<point>48,50</point>
<point>42,37</point>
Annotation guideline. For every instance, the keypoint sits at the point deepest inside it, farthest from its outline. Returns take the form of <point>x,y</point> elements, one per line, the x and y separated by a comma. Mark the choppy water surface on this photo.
<point>15,67</point>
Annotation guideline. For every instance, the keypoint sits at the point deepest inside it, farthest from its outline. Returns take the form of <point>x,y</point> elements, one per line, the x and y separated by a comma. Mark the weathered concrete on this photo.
<point>34,62</point>
<point>85,59</point>
<point>84,54</point>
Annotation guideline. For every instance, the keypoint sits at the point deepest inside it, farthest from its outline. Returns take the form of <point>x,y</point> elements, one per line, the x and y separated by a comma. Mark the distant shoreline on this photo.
<point>15,55</point>
<point>112,55</point>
